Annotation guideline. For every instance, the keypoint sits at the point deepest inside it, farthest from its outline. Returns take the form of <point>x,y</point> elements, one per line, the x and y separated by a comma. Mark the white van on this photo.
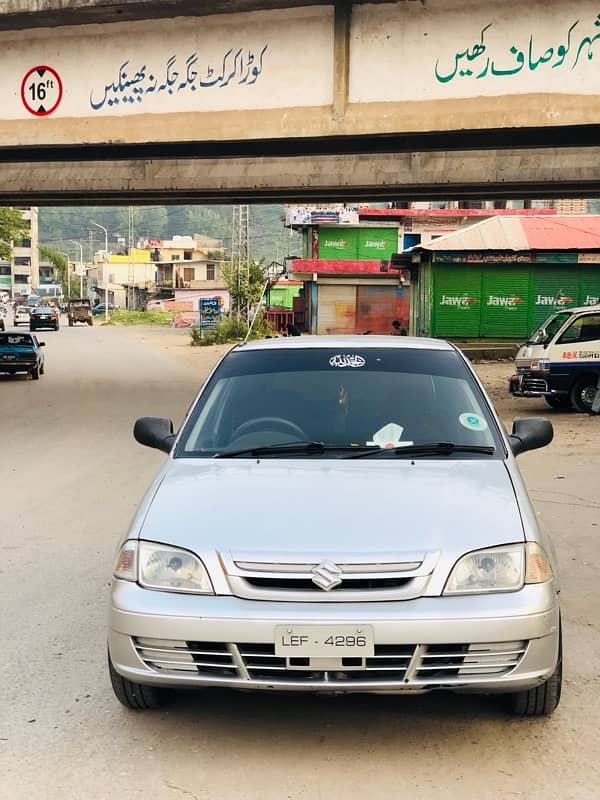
<point>561,360</point>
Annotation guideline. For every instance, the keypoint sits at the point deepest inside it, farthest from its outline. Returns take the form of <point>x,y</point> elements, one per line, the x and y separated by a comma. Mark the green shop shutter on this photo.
<point>377,243</point>
<point>456,308</point>
<point>338,243</point>
<point>554,288</point>
<point>504,302</point>
<point>589,286</point>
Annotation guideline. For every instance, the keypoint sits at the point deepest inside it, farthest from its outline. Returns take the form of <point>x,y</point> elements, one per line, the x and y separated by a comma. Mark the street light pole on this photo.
<point>80,246</point>
<point>105,269</point>
<point>68,257</point>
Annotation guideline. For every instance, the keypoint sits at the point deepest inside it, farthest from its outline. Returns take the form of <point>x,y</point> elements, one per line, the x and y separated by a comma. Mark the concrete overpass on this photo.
<point>182,100</point>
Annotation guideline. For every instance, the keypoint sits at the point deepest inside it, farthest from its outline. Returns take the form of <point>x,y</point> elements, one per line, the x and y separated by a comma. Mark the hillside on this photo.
<point>268,238</point>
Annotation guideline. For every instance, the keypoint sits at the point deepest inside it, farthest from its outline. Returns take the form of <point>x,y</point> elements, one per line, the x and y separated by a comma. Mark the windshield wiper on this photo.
<point>427,448</point>
<point>290,447</point>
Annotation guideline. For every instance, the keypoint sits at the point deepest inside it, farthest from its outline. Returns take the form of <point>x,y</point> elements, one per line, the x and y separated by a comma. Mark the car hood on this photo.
<point>334,506</point>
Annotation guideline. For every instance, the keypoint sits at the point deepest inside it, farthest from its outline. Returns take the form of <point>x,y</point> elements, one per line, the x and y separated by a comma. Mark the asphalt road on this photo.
<point>71,476</point>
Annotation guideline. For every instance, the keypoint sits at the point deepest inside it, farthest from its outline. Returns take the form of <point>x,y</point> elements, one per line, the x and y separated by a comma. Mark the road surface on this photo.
<point>70,480</point>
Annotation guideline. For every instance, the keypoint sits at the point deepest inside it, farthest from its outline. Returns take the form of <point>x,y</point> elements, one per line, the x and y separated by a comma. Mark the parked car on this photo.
<point>410,561</point>
<point>44,317</point>
<point>21,352</point>
<point>561,360</point>
<point>99,309</point>
<point>21,315</point>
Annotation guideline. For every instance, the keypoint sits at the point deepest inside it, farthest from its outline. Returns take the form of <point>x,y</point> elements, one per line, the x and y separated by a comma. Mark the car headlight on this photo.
<point>159,566</point>
<point>499,569</point>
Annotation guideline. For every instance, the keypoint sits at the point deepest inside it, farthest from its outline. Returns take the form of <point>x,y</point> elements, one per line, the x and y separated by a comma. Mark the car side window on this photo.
<point>582,329</point>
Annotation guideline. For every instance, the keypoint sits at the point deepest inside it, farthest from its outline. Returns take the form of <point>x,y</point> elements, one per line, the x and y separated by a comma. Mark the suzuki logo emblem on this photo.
<point>326,575</point>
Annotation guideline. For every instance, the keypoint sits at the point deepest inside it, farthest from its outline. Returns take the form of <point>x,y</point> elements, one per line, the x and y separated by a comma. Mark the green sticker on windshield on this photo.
<point>472,421</point>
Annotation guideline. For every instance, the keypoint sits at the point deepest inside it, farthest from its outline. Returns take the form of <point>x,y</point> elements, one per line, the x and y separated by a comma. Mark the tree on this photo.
<point>245,286</point>
<point>61,265</point>
<point>12,227</point>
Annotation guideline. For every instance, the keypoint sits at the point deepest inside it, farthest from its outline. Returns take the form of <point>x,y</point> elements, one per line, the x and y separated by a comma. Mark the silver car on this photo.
<point>338,514</point>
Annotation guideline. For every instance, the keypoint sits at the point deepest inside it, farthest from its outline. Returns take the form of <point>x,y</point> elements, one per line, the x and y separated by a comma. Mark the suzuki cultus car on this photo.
<point>338,515</point>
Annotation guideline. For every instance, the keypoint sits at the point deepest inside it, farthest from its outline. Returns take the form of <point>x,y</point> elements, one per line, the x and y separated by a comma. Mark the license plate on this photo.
<point>324,641</point>
<point>43,317</point>
<point>9,358</point>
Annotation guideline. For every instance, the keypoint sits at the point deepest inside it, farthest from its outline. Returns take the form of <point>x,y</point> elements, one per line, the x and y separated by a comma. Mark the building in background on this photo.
<point>20,275</point>
<point>346,268</point>
<point>157,273</point>
<point>501,278</point>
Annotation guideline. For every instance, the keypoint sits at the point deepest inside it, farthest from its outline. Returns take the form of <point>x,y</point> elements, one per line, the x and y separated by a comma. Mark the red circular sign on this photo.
<point>41,90</point>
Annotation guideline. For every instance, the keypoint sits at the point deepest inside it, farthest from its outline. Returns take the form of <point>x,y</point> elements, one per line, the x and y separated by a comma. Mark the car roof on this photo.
<point>579,309</point>
<point>345,342</point>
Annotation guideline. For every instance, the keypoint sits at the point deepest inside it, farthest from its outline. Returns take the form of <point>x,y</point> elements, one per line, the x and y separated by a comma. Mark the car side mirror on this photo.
<point>530,433</point>
<point>42,344</point>
<point>155,432</point>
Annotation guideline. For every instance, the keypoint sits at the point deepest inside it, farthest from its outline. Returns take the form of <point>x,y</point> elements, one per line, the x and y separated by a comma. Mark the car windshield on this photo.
<point>7,339</point>
<point>549,328</point>
<point>369,397</point>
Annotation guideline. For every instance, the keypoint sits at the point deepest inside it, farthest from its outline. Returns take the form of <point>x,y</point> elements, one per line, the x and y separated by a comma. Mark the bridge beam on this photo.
<point>22,14</point>
<point>539,172</point>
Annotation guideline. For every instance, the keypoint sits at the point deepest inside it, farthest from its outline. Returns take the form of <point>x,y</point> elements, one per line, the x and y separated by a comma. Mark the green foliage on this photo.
<point>229,330</point>
<point>12,227</point>
<point>60,264</point>
<point>269,240</point>
<point>141,318</point>
<point>245,286</point>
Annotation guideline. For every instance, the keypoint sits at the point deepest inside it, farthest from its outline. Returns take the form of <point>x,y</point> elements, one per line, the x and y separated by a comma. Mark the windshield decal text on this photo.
<point>347,360</point>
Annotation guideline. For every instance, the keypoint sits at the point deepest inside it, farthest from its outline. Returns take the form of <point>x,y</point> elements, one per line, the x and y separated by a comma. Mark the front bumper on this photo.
<point>530,384</point>
<point>500,643</point>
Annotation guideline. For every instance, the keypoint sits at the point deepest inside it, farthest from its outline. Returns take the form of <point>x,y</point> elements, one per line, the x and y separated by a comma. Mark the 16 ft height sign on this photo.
<point>41,90</point>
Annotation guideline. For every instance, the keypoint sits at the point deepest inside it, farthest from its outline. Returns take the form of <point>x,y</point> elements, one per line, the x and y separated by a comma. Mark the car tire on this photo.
<point>135,696</point>
<point>35,374</point>
<point>543,699</point>
<point>558,401</point>
<point>90,321</point>
<point>583,393</point>
<point>70,323</point>
<point>42,369</point>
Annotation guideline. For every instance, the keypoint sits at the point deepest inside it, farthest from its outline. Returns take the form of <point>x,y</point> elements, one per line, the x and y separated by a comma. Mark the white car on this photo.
<point>338,515</point>
<point>22,315</point>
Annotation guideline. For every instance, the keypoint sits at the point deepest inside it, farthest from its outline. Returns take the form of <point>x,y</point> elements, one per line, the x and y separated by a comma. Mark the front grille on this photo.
<point>348,585</point>
<point>359,577</point>
<point>534,384</point>
<point>389,663</point>
<point>430,665</point>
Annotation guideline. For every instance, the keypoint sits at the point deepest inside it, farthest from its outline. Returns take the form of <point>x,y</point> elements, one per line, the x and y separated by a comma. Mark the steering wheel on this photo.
<point>267,423</point>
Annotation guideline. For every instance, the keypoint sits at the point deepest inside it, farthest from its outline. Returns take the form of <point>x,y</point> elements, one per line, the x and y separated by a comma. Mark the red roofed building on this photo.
<point>502,277</point>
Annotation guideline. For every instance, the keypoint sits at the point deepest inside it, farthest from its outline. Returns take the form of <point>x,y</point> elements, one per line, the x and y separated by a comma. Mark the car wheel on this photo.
<point>41,369</point>
<point>132,695</point>
<point>583,393</point>
<point>70,323</point>
<point>90,321</point>
<point>558,401</point>
<point>56,327</point>
<point>543,699</point>
<point>35,374</point>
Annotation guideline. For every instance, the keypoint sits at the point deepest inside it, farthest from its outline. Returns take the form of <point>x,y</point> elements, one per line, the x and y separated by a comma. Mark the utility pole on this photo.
<point>131,275</point>
<point>240,253</point>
